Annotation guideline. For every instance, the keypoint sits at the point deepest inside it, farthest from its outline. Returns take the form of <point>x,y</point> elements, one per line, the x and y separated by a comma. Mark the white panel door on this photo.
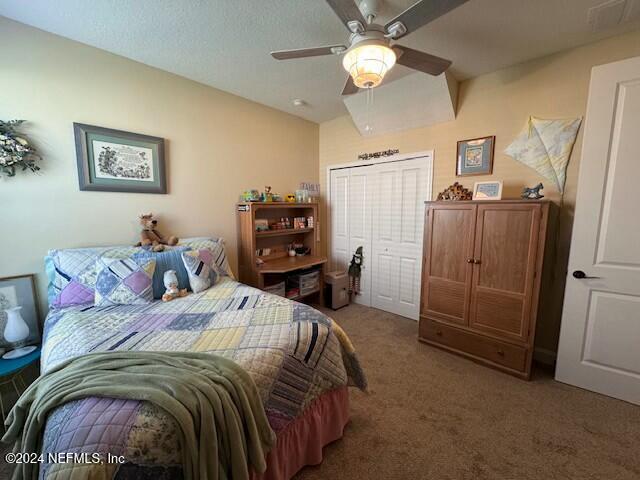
<point>397,226</point>
<point>600,336</point>
<point>359,215</point>
<point>340,253</point>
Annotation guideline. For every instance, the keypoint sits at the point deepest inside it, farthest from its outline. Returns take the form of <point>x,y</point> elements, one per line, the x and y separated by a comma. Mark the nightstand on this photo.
<point>11,372</point>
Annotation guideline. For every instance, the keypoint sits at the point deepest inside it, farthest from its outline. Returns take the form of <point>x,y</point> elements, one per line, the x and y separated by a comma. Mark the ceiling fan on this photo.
<point>370,54</point>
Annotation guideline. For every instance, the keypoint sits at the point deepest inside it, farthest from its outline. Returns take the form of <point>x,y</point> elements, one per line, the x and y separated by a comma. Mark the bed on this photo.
<point>301,361</point>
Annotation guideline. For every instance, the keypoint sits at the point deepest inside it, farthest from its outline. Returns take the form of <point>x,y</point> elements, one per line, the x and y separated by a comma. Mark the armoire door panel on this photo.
<point>505,261</point>
<point>446,300</point>
<point>449,238</point>
<point>504,248</point>
<point>499,312</point>
<point>451,244</point>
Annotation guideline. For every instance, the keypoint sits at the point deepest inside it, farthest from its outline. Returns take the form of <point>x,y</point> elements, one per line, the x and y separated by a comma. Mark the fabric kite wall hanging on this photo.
<point>545,146</point>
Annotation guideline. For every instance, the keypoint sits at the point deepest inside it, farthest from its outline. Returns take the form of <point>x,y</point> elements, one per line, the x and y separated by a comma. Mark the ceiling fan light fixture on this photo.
<point>368,63</point>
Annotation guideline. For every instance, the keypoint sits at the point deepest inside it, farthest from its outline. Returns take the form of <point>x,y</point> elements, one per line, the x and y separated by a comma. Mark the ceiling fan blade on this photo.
<point>308,52</point>
<point>421,61</point>
<point>420,14</point>
<point>349,87</point>
<point>347,10</point>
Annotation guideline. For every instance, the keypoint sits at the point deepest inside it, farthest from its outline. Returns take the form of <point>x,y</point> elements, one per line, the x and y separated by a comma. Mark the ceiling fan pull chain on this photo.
<point>369,94</point>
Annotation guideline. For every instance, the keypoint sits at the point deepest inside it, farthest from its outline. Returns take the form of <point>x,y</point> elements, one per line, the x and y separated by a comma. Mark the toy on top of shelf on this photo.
<point>455,192</point>
<point>250,196</point>
<point>267,196</point>
<point>302,196</point>
<point>532,193</point>
<point>290,198</point>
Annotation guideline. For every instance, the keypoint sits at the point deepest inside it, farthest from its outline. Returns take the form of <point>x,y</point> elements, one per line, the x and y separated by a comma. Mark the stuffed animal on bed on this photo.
<point>171,284</point>
<point>149,236</point>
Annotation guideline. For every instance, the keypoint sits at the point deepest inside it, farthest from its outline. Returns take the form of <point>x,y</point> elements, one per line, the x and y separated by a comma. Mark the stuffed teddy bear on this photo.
<point>151,237</point>
<point>171,284</point>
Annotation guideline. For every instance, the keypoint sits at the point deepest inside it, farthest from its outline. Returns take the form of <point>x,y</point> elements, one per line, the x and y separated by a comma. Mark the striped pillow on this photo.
<point>216,246</point>
<point>201,268</point>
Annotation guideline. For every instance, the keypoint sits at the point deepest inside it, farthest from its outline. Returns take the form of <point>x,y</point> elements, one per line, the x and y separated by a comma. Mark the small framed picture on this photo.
<point>20,291</point>
<point>475,156</point>
<point>116,161</point>
<point>487,190</point>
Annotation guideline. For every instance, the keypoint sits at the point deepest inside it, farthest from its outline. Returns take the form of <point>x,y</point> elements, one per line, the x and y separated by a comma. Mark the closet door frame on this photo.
<point>427,155</point>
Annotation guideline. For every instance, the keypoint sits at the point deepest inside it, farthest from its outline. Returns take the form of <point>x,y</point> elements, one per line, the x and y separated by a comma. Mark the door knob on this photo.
<point>469,260</point>
<point>477,261</point>
<point>579,274</point>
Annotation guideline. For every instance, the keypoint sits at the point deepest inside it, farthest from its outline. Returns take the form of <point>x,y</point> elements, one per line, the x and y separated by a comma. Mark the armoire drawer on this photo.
<point>475,345</point>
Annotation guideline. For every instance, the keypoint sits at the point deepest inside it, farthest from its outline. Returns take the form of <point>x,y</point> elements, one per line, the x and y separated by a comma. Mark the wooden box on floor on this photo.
<point>277,264</point>
<point>482,269</point>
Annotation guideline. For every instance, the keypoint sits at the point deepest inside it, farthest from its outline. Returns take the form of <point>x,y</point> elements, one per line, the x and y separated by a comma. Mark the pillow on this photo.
<point>216,246</point>
<point>167,260</point>
<point>72,273</point>
<point>201,268</point>
<point>124,281</point>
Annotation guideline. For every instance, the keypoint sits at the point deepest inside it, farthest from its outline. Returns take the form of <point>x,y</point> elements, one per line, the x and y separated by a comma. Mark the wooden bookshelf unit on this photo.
<point>273,267</point>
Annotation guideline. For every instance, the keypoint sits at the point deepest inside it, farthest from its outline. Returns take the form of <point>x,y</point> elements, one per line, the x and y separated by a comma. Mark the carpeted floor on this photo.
<point>433,415</point>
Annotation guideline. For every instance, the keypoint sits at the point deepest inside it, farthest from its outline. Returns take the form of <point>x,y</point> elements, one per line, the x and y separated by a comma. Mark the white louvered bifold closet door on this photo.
<point>381,208</point>
<point>398,217</point>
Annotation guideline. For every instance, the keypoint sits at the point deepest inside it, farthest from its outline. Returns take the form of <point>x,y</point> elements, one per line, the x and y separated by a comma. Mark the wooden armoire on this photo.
<point>481,279</point>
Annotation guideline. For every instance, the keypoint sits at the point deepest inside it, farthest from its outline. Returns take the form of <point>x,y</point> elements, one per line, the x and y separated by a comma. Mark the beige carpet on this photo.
<point>432,415</point>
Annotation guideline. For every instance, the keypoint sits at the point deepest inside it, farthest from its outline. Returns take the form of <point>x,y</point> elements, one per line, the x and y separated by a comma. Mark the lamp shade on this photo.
<point>368,64</point>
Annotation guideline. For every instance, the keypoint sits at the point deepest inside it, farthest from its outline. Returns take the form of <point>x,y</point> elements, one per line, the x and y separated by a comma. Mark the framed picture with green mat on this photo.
<point>117,161</point>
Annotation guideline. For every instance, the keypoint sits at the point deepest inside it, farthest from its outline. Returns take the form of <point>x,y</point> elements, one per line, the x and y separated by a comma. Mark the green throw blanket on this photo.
<point>213,400</point>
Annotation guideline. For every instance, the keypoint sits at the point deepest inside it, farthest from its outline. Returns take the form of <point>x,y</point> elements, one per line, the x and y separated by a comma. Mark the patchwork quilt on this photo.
<point>292,351</point>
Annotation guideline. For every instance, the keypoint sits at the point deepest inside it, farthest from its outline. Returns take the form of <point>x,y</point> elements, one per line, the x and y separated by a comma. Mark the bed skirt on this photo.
<point>300,443</point>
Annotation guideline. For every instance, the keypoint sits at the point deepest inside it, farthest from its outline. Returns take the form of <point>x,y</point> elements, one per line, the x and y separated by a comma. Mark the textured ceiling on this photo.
<point>226,43</point>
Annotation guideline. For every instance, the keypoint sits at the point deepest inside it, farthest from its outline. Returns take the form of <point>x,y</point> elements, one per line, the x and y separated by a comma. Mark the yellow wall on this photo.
<point>217,145</point>
<point>499,104</point>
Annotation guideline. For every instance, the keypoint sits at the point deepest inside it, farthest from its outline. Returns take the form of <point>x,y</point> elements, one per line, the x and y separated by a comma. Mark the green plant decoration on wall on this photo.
<point>15,150</point>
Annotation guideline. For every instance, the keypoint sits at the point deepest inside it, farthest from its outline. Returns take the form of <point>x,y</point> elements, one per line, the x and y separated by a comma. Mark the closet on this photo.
<point>380,207</point>
<point>481,279</point>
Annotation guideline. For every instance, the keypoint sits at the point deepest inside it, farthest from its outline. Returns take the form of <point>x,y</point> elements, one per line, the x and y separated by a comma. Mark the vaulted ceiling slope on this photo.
<point>226,43</point>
